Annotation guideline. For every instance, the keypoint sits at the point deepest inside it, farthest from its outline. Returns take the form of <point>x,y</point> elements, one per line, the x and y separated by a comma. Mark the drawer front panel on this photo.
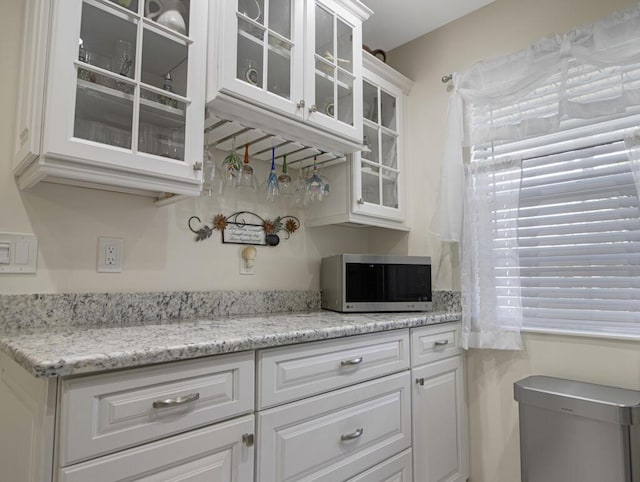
<point>432,343</point>
<point>337,435</point>
<point>300,371</point>
<point>211,454</point>
<point>395,469</point>
<point>109,412</point>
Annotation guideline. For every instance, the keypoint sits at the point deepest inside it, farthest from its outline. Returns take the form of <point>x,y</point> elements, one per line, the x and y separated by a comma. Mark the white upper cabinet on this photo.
<point>379,170</point>
<point>291,68</point>
<point>371,190</point>
<point>113,95</point>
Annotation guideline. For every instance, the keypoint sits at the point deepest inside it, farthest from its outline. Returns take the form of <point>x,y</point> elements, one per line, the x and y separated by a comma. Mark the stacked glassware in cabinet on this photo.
<point>130,109</point>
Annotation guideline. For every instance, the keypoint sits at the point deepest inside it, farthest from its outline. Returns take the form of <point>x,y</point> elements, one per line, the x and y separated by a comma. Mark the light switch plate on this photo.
<point>18,253</point>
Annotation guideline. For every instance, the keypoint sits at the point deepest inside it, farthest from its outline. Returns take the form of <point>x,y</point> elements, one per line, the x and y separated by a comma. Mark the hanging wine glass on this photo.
<point>326,185</point>
<point>315,186</point>
<point>299,189</point>
<point>211,181</point>
<point>272,189</point>
<point>246,177</point>
<point>284,180</point>
<point>230,168</point>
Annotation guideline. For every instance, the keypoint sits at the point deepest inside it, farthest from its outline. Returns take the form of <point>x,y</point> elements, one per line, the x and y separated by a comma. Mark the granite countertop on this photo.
<point>76,349</point>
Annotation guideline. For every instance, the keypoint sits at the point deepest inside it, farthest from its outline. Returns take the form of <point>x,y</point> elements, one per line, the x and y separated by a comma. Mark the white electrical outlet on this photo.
<point>110,255</point>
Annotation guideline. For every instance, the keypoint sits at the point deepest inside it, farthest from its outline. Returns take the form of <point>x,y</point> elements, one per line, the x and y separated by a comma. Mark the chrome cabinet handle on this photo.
<point>301,104</point>
<point>420,381</point>
<point>441,342</point>
<point>313,108</point>
<point>360,201</point>
<point>352,362</point>
<point>353,435</point>
<point>174,402</point>
<point>197,166</point>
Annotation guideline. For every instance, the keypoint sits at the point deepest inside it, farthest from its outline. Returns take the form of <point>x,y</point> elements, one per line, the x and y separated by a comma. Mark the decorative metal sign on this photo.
<point>235,229</point>
<point>244,234</point>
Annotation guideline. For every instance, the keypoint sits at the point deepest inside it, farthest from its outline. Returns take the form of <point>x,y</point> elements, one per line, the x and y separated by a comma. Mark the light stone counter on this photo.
<point>61,350</point>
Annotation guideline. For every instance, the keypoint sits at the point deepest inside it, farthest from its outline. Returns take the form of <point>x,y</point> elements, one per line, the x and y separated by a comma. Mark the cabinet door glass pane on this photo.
<point>279,67</point>
<point>108,41</point>
<point>324,33</point>
<point>254,9</point>
<point>104,109</point>
<point>388,108</point>
<point>370,101</point>
<point>389,188</point>
<point>171,14</point>
<point>370,139</point>
<point>324,88</point>
<point>131,5</point>
<point>250,49</point>
<point>389,151</point>
<point>162,125</point>
<point>345,46</point>
<point>280,17</point>
<point>370,183</point>
<point>345,98</point>
<point>164,63</point>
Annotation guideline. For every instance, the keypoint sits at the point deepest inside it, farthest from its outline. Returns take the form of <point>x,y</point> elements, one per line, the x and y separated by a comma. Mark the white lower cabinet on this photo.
<point>336,435</point>
<point>395,469</point>
<point>383,407</point>
<point>211,454</point>
<point>439,408</point>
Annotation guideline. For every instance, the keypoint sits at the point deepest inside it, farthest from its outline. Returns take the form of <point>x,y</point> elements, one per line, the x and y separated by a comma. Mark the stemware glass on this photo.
<point>284,180</point>
<point>211,181</point>
<point>315,186</point>
<point>246,177</point>
<point>299,189</point>
<point>326,186</point>
<point>230,167</point>
<point>272,189</point>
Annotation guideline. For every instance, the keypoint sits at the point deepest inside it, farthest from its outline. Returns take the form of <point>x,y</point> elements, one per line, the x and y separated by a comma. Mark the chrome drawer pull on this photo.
<point>353,435</point>
<point>174,402</point>
<point>352,362</point>
<point>420,381</point>
<point>441,342</point>
<point>248,439</point>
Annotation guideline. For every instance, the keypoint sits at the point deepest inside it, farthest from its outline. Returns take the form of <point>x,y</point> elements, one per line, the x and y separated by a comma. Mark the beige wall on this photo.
<point>500,28</point>
<point>160,253</point>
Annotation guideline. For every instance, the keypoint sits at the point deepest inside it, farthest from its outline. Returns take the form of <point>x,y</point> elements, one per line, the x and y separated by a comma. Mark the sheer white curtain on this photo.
<point>549,83</point>
<point>632,144</point>
<point>490,250</point>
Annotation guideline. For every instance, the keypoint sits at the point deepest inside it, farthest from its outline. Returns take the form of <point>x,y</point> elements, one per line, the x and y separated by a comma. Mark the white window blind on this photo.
<point>578,222</point>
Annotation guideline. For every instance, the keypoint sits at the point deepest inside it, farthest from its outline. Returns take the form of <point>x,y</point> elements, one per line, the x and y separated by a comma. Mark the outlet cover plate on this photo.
<point>110,255</point>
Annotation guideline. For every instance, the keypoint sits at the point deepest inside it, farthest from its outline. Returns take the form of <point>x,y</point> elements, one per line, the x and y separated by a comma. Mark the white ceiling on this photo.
<point>396,22</point>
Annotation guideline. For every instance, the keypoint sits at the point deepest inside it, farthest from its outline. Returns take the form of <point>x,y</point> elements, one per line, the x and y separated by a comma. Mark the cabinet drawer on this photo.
<point>214,454</point>
<point>103,413</point>
<point>432,343</point>
<point>395,469</point>
<point>335,435</point>
<point>299,371</point>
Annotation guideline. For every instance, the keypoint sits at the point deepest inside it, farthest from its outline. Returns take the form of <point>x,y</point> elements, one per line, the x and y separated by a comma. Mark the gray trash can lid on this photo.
<point>600,402</point>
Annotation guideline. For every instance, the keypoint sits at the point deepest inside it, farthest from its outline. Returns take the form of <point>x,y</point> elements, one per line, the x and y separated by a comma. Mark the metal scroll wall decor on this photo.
<point>245,227</point>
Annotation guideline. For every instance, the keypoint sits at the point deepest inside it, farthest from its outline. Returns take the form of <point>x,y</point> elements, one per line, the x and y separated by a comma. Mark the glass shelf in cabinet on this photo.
<point>326,75</point>
<point>284,49</point>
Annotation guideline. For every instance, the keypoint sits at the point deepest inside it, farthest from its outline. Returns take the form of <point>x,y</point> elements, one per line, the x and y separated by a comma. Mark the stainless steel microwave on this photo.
<point>374,283</point>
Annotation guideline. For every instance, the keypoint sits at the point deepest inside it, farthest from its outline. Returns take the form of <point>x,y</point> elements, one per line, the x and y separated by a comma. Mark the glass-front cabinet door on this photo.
<point>126,87</point>
<point>262,51</point>
<point>378,170</point>
<point>333,69</point>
